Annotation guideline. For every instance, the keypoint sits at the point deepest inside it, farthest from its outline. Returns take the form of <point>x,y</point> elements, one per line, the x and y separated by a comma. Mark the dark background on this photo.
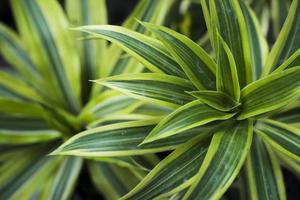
<point>117,12</point>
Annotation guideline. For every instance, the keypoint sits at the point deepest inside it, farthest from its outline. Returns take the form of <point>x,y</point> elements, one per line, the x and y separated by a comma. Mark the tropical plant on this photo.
<point>236,110</point>
<point>46,98</point>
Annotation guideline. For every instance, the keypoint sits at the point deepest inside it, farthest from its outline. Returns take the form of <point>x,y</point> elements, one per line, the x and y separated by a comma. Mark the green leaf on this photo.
<point>23,122</point>
<point>112,181</point>
<point>184,118</point>
<point>14,87</point>
<point>148,51</point>
<point>44,29</point>
<point>26,174</point>
<point>227,77</point>
<point>215,99</point>
<point>270,92</point>
<point>290,163</point>
<point>173,173</point>
<point>264,175</point>
<point>283,137</point>
<point>257,42</point>
<point>107,103</point>
<point>279,11</point>
<point>65,179</point>
<point>223,161</point>
<point>115,61</point>
<point>292,61</point>
<point>195,62</point>
<point>81,12</point>
<point>230,22</point>
<point>122,139</point>
<point>288,40</point>
<point>15,54</point>
<point>159,88</point>
<point>290,114</point>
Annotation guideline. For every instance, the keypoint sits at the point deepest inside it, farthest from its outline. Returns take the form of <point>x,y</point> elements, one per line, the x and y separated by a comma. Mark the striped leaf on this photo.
<point>14,87</point>
<point>292,61</point>
<point>159,88</point>
<point>143,163</point>
<point>291,114</point>
<point>228,18</point>
<point>288,40</point>
<point>107,103</point>
<point>283,137</point>
<point>279,11</point>
<point>257,42</point>
<point>14,52</point>
<point>43,27</point>
<point>290,163</point>
<point>264,175</point>
<point>65,178</point>
<point>116,62</point>
<point>112,181</point>
<point>184,118</point>
<point>270,92</point>
<point>194,61</point>
<point>26,178</point>
<point>227,77</point>
<point>226,155</point>
<point>215,99</point>
<point>123,139</point>
<point>173,173</point>
<point>81,12</point>
<point>148,51</point>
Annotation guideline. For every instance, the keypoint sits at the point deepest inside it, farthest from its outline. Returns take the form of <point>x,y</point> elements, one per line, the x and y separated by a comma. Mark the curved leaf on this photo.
<point>270,92</point>
<point>159,88</point>
<point>228,18</point>
<point>264,175</point>
<point>288,40</point>
<point>43,27</point>
<point>223,161</point>
<point>175,171</point>
<point>281,136</point>
<point>65,179</point>
<point>122,139</point>
<point>148,51</point>
<point>184,118</point>
<point>195,62</point>
<point>227,77</point>
<point>215,99</point>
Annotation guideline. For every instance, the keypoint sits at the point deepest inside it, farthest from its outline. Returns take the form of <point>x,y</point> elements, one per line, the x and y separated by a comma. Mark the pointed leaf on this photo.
<point>81,12</point>
<point>283,137</point>
<point>111,180</point>
<point>264,175</point>
<point>122,139</point>
<point>148,51</point>
<point>184,118</point>
<point>257,42</point>
<point>229,20</point>
<point>65,179</point>
<point>173,172</point>
<point>288,40</point>
<point>223,161</point>
<point>195,62</point>
<point>43,27</point>
<point>159,88</point>
<point>215,99</point>
<point>227,77</point>
<point>270,92</point>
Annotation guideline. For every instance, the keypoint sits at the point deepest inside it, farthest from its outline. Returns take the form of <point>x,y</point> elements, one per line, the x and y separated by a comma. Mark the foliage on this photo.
<point>236,109</point>
<point>46,98</point>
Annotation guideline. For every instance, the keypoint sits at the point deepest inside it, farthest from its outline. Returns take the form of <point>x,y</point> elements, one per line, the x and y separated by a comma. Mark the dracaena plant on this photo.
<point>45,98</point>
<point>236,109</point>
